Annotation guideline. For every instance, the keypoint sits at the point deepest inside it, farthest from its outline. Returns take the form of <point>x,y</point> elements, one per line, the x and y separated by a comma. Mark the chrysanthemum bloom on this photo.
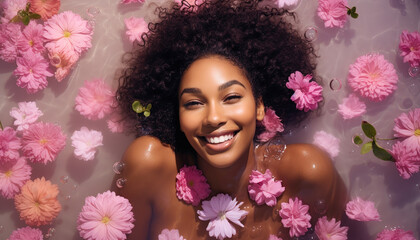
<point>11,8</point>
<point>407,160</point>
<point>45,8</point>
<point>295,216</point>
<point>106,216</point>
<point>9,35</point>
<point>63,61</point>
<point>26,114</point>
<point>26,233</point>
<point>351,107</point>
<point>395,234</point>
<point>327,142</point>
<point>330,230</point>
<point>31,38</point>
<point>410,47</point>
<point>221,210</point>
<point>135,28</point>
<point>362,210</point>
<point>10,145</point>
<point>373,77</point>
<point>407,126</point>
<point>333,12</point>
<point>12,177</point>
<point>286,3</point>
<point>85,143</point>
<point>37,202</point>
<point>307,94</point>
<point>42,142</point>
<point>115,123</point>
<point>167,234</point>
<point>191,185</point>
<point>95,99</point>
<point>263,188</point>
<point>274,237</point>
<point>272,125</point>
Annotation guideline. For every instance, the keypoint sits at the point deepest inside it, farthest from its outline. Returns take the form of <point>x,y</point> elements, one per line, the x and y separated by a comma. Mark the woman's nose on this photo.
<point>216,115</point>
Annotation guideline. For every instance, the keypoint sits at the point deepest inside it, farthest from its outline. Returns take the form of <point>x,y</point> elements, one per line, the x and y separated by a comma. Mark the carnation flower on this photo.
<point>12,177</point>
<point>167,234</point>
<point>95,99</point>
<point>42,142</point>
<point>410,47</point>
<point>11,8</point>
<point>272,124</point>
<point>333,12</point>
<point>286,3</point>
<point>9,35</point>
<point>351,107</point>
<point>63,61</point>
<point>85,143</point>
<point>37,202</point>
<point>407,160</point>
<point>26,114</point>
<point>407,126</point>
<point>362,210</point>
<point>263,188</point>
<point>295,216</point>
<point>191,185</point>
<point>135,28</point>
<point>395,234</point>
<point>330,230</point>
<point>373,77</point>
<point>31,38</point>
<point>26,233</point>
<point>222,211</point>
<point>9,145</point>
<point>307,94</point>
<point>106,216</point>
<point>327,142</point>
<point>45,8</point>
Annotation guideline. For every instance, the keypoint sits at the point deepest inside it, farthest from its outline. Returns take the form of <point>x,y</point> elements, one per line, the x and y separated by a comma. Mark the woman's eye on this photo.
<point>232,98</point>
<point>192,104</point>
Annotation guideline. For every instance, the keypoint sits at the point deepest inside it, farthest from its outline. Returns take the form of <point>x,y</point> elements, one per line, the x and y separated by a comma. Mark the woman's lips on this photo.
<point>220,143</point>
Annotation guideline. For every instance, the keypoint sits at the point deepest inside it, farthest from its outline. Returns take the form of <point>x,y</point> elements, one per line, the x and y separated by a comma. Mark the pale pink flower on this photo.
<point>26,114</point>
<point>395,234</point>
<point>42,142</point>
<point>407,160</point>
<point>373,77</point>
<point>115,123</point>
<point>106,216</point>
<point>26,233</point>
<point>11,8</point>
<point>9,35</point>
<point>333,12</point>
<point>222,211</point>
<point>10,145</point>
<point>286,3</point>
<point>327,142</point>
<point>407,126</point>
<point>295,216</point>
<point>45,8</point>
<point>85,143</point>
<point>351,107</point>
<point>410,47</point>
<point>307,94</point>
<point>13,175</point>
<point>272,124</point>
<point>31,38</point>
<point>131,1</point>
<point>172,234</point>
<point>330,230</point>
<point>135,28</point>
<point>263,188</point>
<point>274,237</point>
<point>95,99</point>
<point>362,210</point>
<point>191,185</point>
<point>63,61</point>
<point>32,72</point>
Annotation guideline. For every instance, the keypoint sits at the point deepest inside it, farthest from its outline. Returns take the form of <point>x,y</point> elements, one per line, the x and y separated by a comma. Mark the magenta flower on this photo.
<point>26,233</point>
<point>373,77</point>
<point>330,230</point>
<point>42,142</point>
<point>26,114</point>
<point>106,216</point>
<point>10,145</point>
<point>85,143</point>
<point>327,142</point>
<point>191,185</point>
<point>295,216</point>
<point>395,234</point>
<point>307,94</point>
<point>31,38</point>
<point>263,188</point>
<point>362,210</point>
<point>135,28</point>
<point>407,126</point>
<point>407,160</point>
<point>221,210</point>
<point>167,234</point>
<point>410,47</point>
<point>333,12</point>
<point>11,8</point>
<point>13,176</point>
<point>351,107</point>
<point>272,124</point>
<point>9,35</point>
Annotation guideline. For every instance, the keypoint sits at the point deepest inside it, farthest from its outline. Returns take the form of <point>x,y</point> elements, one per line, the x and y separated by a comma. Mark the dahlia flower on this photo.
<point>373,77</point>
<point>12,177</point>
<point>26,114</point>
<point>272,124</point>
<point>295,216</point>
<point>407,160</point>
<point>167,234</point>
<point>31,38</point>
<point>45,8</point>
<point>115,123</point>
<point>191,185</point>
<point>11,8</point>
<point>135,28</point>
<point>330,230</point>
<point>85,143</point>
<point>106,216</point>
<point>362,210</point>
<point>9,35</point>
<point>9,145</point>
<point>263,189</point>
<point>351,107</point>
<point>327,142</point>
<point>395,234</point>
<point>333,12</point>
<point>307,94</point>
<point>410,47</point>
<point>26,233</point>
<point>37,202</point>
<point>63,61</point>
<point>407,126</point>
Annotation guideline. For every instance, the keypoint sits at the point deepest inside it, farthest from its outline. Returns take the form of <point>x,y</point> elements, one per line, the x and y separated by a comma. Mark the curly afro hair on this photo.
<point>259,39</point>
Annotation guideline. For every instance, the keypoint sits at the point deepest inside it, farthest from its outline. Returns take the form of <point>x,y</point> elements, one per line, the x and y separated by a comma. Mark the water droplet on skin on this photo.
<point>118,167</point>
<point>120,182</point>
<point>311,34</point>
<point>414,71</point>
<point>335,84</point>
<point>64,179</point>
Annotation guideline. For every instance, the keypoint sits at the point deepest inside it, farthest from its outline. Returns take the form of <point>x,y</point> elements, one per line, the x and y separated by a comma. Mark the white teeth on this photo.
<point>219,139</point>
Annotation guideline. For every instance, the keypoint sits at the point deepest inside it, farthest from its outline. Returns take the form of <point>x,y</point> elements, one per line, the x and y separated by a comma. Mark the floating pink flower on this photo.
<point>407,160</point>
<point>330,230</point>
<point>395,234</point>
<point>135,28</point>
<point>26,233</point>
<point>307,94</point>
<point>9,35</point>
<point>63,61</point>
<point>222,211</point>
<point>272,124</point>
<point>95,99</point>
<point>263,189</point>
<point>327,142</point>
<point>274,237</point>
<point>11,8</point>
<point>333,12</point>
<point>31,38</point>
<point>362,210</point>
<point>10,145</point>
<point>85,143</point>
<point>191,185</point>
<point>373,77</point>
<point>410,47</point>
<point>286,3</point>
<point>295,216</point>
<point>45,8</point>
<point>42,142</point>
<point>407,126</point>
<point>12,177</point>
<point>106,216</point>
<point>115,123</point>
<point>37,202</point>
<point>26,114</point>
<point>167,234</point>
<point>351,107</point>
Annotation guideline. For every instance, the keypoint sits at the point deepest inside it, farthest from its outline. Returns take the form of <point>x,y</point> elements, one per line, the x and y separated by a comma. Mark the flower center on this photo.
<point>31,43</point>
<point>43,141</point>
<point>417,132</point>
<point>36,204</point>
<point>374,75</point>
<point>8,173</point>
<point>412,49</point>
<point>222,215</point>
<point>190,183</point>
<point>66,33</point>
<point>105,220</point>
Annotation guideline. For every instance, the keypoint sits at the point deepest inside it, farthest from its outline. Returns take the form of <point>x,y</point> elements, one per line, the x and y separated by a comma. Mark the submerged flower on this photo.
<point>106,216</point>
<point>333,12</point>
<point>12,176</point>
<point>9,145</point>
<point>295,216</point>
<point>222,211</point>
<point>63,61</point>
<point>407,160</point>
<point>31,38</point>
<point>373,77</point>
<point>410,47</point>
<point>272,124</point>
<point>351,107</point>
<point>395,234</point>
<point>330,230</point>
<point>115,123</point>
<point>11,8</point>
<point>37,202</point>
<point>26,114</point>
<point>45,8</point>
<point>307,94</point>
<point>26,233</point>
<point>286,3</point>
<point>191,185</point>
<point>85,143</point>
<point>167,234</point>
<point>327,142</point>
<point>9,35</point>
<point>362,210</point>
<point>407,126</point>
<point>135,28</point>
<point>263,188</point>
<point>42,142</point>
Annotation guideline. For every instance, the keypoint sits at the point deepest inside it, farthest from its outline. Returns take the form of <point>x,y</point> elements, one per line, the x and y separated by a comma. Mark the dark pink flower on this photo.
<point>295,216</point>
<point>12,177</point>
<point>407,160</point>
<point>10,145</point>
<point>263,188</point>
<point>307,94</point>
<point>31,38</point>
<point>333,12</point>
<point>407,126</point>
<point>191,185</point>
<point>167,234</point>
<point>330,230</point>
<point>395,234</point>
<point>26,233</point>
<point>26,114</point>
<point>135,28</point>
<point>351,107</point>
<point>362,210</point>
<point>9,35</point>
<point>327,142</point>
<point>272,124</point>
<point>410,47</point>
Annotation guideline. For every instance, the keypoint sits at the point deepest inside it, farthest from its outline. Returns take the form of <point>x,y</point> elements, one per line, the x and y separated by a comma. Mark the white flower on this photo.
<point>26,114</point>
<point>85,143</point>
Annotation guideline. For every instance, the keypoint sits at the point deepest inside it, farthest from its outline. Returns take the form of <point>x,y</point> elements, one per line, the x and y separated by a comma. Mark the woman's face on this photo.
<point>217,110</point>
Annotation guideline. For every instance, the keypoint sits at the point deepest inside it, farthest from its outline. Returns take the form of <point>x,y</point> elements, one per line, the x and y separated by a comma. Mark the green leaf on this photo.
<point>148,107</point>
<point>1,126</point>
<point>34,15</point>
<point>26,20</point>
<point>368,129</point>
<point>354,15</point>
<point>357,140</point>
<point>366,148</point>
<point>349,11</point>
<point>16,19</point>
<point>381,153</point>
<point>353,9</point>
<point>146,113</point>
<point>137,107</point>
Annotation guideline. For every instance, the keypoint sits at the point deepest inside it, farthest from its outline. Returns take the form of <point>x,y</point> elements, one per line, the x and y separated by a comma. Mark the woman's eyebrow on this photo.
<point>230,83</point>
<point>190,90</point>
